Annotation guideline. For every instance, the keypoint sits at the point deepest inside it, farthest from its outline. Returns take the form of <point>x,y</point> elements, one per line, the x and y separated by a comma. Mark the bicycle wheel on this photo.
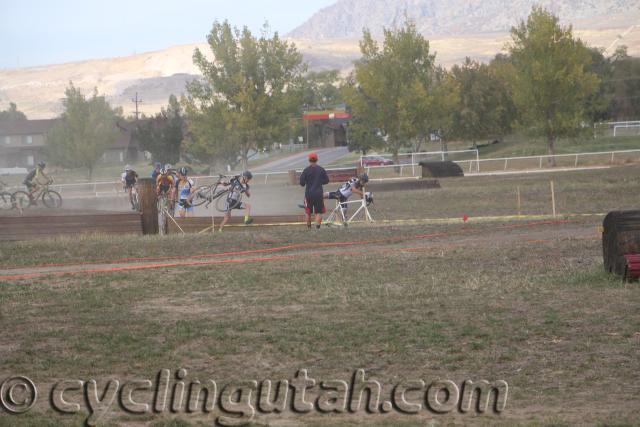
<point>162,214</point>
<point>51,199</point>
<point>134,200</point>
<point>201,195</point>
<point>223,203</point>
<point>5,201</point>
<point>20,200</point>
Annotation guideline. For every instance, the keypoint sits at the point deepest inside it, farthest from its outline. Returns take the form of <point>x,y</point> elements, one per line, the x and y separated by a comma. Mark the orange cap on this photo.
<point>313,157</point>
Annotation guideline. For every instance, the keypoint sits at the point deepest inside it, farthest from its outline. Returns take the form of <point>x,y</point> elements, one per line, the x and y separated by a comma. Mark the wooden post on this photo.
<point>148,205</point>
<point>518,194</point>
<point>553,200</point>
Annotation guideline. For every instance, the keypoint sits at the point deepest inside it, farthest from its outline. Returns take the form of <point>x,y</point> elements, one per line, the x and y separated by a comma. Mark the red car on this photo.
<point>376,161</point>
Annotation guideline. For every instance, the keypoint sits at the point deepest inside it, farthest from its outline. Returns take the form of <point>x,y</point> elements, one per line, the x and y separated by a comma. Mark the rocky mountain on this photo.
<point>155,75</point>
<point>347,18</point>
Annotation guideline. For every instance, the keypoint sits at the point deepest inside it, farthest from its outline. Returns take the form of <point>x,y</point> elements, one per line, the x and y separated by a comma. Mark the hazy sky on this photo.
<point>37,32</point>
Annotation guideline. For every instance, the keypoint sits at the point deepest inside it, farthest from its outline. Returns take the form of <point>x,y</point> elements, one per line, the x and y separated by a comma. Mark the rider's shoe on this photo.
<point>248,221</point>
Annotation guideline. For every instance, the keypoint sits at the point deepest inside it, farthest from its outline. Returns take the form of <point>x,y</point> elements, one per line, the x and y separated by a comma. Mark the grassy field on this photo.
<point>527,303</point>
<point>524,301</point>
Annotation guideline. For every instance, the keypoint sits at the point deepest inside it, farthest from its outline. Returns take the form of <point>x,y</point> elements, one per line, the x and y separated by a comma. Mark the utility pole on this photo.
<point>136,101</point>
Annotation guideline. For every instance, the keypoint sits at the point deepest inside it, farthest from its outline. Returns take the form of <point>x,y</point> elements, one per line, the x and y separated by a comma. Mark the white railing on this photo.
<point>97,189</point>
<point>538,160</point>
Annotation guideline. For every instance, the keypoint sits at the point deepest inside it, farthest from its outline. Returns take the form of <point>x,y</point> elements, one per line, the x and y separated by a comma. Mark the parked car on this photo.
<point>376,161</point>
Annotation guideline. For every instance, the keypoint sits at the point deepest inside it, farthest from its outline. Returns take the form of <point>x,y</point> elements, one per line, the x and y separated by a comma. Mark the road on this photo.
<point>299,160</point>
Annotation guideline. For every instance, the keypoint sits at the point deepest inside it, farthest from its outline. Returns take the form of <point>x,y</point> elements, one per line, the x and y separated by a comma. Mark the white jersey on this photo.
<point>346,189</point>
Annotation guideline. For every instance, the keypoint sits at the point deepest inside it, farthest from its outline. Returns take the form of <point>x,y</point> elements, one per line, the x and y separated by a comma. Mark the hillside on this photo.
<point>347,18</point>
<point>155,75</point>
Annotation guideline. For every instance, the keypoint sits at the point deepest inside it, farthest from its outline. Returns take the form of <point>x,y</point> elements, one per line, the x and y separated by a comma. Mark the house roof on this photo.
<point>26,127</point>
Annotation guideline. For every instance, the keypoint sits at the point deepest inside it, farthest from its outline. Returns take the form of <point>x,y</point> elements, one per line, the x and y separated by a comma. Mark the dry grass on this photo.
<point>529,305</point>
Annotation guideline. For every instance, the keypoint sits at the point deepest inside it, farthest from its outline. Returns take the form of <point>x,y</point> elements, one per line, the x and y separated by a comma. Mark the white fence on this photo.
<point>612,128</point>
<point>402,170</point>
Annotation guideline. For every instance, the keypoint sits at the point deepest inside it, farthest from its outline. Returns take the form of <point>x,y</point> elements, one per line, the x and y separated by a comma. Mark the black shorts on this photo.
<point>30,185</point>
<point>336,195</point>
<point>231,204</point>
<point>313,205</point>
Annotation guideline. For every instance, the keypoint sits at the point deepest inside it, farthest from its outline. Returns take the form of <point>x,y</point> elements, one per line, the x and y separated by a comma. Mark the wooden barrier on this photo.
<point>35,227</point>
<point>441,169</point>
<point>148,205</point>
<point>203,224</point>
<point>402,185</point>
<point>335,175</point>
<point>620,237</point>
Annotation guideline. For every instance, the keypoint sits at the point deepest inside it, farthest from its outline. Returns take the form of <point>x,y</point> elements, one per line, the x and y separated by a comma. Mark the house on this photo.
<point>125,148</point>
<point>22,142</point>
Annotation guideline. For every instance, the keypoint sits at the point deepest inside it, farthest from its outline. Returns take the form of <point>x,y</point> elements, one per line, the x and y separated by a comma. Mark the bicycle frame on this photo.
<point>338,211</point>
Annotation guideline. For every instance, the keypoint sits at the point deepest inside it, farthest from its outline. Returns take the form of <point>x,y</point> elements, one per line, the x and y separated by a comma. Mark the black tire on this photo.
<point>135,201</point>
<point>202,194</point>
<point>51,199</point>
<point>221,202</point>
<point>20,200</point>
<point>6,203</point>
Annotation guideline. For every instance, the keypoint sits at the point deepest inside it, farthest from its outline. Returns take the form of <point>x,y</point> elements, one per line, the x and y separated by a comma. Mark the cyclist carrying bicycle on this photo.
<point>238,185</point>
<point>129,179</point>
<point>36,178</point>
<point>184,187</point>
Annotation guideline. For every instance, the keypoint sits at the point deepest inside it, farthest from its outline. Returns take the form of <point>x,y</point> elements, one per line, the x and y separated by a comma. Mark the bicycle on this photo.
<point>338,211</point>
<point>135,200</point>
<point>210,193</point>
<point>5,198</point>
<point>50,198</point>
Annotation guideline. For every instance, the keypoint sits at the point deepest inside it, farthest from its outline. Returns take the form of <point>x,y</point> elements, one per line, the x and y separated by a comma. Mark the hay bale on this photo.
<point>441,169</point>
<point>620,236</point>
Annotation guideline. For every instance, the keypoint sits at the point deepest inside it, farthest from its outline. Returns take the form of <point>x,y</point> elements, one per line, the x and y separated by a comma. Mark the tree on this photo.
<point>484,107</point>
<point>624,85</point>
<point>85,130</point>
<point>551,79</point>
<point>12,114</point>
<point>163,134</point>
<point>250,83</point>
<point>388,79</point>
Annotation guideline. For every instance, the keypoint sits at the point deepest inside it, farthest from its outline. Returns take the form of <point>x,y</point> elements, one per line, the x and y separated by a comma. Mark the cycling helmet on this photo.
<point>168,167</point>
<point>163,171</point>
<point>247,174</point>
<point>183,171</point>
<point>364,178</point>
<point>42,164</point>
<point>127,168</point>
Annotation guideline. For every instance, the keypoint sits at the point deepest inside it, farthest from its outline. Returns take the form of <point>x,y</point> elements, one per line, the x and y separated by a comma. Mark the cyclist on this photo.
<point>171,196</point>
<point>164,183</point>
<point>156,170</point>
<point>129,179</point>
<point>184,187</point>
<point>353,185</point>
<point>239,184</point>
<point>36,178</point>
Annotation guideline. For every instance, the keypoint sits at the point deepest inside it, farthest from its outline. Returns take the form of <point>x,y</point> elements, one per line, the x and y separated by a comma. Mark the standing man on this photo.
<point>313,178</point>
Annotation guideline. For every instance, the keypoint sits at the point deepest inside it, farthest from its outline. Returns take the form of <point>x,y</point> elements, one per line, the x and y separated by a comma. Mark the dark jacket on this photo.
<point>313,178</point>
